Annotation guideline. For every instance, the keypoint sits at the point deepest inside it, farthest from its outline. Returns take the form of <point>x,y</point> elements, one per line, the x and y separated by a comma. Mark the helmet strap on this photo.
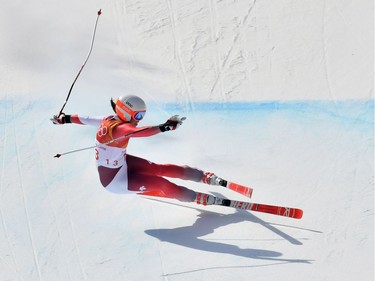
<point>113,105</point>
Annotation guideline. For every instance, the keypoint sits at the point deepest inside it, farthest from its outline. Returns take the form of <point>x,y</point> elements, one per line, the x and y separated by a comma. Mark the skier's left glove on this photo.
<point>62,119</point>
<point>172,123</point>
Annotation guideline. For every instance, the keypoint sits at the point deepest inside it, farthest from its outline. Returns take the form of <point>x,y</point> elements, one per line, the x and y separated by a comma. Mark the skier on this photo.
<point>122,173</point>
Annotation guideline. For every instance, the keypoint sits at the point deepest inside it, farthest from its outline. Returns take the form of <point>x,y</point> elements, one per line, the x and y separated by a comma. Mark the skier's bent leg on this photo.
<point>142,182</point>
<point>181,172</point>
<point>140,165</point>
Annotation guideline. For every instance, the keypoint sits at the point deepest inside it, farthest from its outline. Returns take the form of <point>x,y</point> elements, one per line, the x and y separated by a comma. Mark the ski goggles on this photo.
<point>138,115</point>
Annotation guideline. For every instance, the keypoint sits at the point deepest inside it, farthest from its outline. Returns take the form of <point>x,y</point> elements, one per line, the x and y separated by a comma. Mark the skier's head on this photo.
<point>129,108</point>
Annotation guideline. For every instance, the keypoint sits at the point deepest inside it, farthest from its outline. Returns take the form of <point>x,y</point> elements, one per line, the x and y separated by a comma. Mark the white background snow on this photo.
<point>278,95</point>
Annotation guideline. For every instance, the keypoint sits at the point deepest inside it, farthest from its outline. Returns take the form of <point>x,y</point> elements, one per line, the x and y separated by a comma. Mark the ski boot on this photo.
<point>212,179</point>
<point>207,199</point>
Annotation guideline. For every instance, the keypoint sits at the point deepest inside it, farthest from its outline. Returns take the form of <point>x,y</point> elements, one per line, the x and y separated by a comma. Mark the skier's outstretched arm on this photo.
<point>139,132</point>
<point>76,119</point>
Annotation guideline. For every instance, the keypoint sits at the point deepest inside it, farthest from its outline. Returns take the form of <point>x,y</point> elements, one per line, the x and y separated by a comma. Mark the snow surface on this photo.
<point>278,95</point>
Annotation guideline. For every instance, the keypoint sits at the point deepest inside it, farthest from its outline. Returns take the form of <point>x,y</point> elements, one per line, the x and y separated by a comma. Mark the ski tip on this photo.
<point>298,214</point>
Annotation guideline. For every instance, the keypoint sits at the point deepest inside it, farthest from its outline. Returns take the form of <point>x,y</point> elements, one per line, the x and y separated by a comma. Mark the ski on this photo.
<point>241,189</point>
<point>203,199</point>
<point>294,213</point>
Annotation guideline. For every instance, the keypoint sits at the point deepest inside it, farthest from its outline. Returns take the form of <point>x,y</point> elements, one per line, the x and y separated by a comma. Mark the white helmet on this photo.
<point>130,107</point>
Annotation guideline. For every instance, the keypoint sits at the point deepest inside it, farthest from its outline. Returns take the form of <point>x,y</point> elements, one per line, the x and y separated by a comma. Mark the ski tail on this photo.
<point>241,189</point>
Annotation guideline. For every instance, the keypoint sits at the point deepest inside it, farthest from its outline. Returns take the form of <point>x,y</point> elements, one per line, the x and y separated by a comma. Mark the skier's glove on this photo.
<point>62,119</point>
<point>172,123</point>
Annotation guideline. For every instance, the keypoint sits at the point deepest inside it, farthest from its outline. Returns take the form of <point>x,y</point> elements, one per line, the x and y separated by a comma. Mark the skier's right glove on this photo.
<point>172,123</point>
<point>62,119</point>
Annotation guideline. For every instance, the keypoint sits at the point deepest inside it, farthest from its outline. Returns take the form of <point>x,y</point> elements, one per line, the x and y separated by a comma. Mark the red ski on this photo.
<point>294,213</point>
<point>244,190</point>
<point>206,199</point>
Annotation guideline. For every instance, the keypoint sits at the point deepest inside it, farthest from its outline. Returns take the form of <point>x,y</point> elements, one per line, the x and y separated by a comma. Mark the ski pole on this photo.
<point>106,143</point>
<point>87,58</point>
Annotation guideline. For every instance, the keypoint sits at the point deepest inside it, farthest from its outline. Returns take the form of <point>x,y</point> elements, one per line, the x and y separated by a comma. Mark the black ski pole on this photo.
<point>88,55</point>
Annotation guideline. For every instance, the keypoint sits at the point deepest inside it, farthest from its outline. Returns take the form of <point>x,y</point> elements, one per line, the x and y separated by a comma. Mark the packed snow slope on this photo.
<point>278,95</point>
